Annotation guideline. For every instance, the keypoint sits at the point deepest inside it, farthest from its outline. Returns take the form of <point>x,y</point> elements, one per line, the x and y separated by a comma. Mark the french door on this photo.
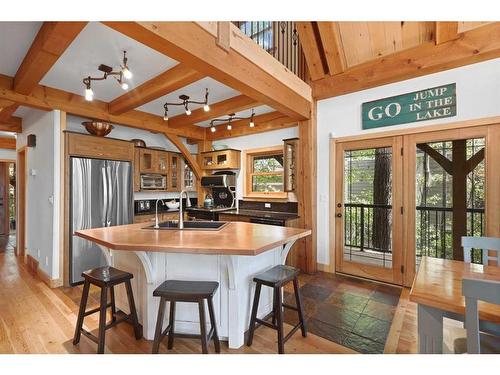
<point>398,198</point>
<point>368,209</point>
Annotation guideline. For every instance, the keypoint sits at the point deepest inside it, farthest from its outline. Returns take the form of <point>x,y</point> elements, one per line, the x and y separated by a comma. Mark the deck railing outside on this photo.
<point>433,231</point>
<point>280,39</point>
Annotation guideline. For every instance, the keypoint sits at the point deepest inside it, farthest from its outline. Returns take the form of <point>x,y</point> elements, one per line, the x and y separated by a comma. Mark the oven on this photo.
<point>153,182</point>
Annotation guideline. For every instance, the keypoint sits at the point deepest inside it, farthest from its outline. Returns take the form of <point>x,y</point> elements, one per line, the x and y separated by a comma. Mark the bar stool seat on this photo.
<point>276,278</point>
<point>105,278</point>
<point>186,291</point>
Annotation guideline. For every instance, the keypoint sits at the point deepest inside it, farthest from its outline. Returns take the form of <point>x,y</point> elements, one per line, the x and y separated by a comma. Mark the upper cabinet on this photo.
<point>153,161</point>
<point>223,159</point>
<point>99,147</point>
<point>290,157</point>
<point>189,179</point>
<point>174,164</point>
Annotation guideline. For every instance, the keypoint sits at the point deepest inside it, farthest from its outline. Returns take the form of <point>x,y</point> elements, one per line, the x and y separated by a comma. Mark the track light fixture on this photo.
<point>185,103</point>
<point>123,73</point>
<point>230,119</point>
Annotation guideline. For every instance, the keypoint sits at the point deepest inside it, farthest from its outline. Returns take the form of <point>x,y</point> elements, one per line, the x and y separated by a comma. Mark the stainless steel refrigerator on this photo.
<point>101,196</point>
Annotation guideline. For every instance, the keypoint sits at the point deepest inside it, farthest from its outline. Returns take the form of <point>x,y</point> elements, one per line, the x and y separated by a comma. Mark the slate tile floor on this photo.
<point>351,312</point>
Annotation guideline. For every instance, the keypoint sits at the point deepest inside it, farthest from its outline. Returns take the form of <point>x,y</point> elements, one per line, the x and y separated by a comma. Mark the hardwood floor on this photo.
<point>37,319</point>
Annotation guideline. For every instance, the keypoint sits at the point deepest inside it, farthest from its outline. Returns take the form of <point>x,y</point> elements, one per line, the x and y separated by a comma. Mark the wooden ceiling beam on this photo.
<point>311,50</point>
<point>332,46</point>
<point>246,67</point>
<point>8,143</point>
<point>225,107</point>
<point>446,31</point>
<point>13,124</point>
<point>52,40</point>
<point>49,44</point>
<point>471,47</point>
<point>47,98</point>
<point>170,80</point>
<point>263,123</point>
<point>7,112</point>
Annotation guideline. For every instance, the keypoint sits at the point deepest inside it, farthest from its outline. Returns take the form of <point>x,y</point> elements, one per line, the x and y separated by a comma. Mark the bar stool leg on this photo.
<point>133,312</point>
<point>102,320</point>
<point>203,327</point>
<point>298,302</point>
<point>81,313</point>
<point>113,305</point>
<point>279,318</point>
<point>255,307</point>
<point>275,302</point>
<point>159,326</point>
<point>213,324</point>
<point>171,324</point>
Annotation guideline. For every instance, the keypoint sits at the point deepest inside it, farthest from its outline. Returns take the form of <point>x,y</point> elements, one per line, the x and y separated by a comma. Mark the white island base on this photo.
<point>232,302</point>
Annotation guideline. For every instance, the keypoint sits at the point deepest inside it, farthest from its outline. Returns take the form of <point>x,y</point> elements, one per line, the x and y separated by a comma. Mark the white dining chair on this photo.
<point>475,290</point>
<point>485,243</point>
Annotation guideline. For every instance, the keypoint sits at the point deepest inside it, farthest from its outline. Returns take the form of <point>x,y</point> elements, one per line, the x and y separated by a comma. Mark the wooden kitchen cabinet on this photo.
<point>290,158</point>
<point>90,146</point>
<point>162,216</point>
<point>188,177</point>
<point>147,160</point>
<point>223,159</point>
<point>162,162</point>
<point>137,170</point>
<point>175,175</point>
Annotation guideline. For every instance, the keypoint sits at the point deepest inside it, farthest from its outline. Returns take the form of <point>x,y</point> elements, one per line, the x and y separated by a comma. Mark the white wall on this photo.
<point>152,140</point>
<point>478,96</point>
<point>247,142</point>
<point>42,198</point>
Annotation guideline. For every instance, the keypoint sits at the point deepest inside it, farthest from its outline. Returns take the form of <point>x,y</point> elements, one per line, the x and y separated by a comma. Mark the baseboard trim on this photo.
<point>51,283</point>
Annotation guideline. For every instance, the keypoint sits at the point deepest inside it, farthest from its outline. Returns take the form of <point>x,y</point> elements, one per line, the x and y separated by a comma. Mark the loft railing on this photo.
<point>433,230</point>
<point>280,39</point>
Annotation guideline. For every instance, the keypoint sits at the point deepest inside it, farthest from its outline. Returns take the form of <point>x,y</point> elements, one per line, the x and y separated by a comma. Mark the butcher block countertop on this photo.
<point>236,238</point>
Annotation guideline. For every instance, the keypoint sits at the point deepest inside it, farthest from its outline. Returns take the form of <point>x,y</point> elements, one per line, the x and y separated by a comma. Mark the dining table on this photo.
<point>437,289</point>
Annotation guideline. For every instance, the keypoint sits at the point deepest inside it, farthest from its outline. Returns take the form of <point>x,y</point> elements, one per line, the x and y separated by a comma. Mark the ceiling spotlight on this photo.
<point>124,72</point>
<point>230,119</point>
<point>165,117</point>
<point>185,102</point>
<point>251,123</point>
<point>89,94</point>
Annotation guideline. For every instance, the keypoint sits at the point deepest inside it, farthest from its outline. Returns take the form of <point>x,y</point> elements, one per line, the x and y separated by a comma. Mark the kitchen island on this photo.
<point>231,256</point>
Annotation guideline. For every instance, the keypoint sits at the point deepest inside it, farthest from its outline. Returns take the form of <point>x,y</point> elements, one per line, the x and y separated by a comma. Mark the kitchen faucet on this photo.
<point>181,210</point>
<point>156,215</point>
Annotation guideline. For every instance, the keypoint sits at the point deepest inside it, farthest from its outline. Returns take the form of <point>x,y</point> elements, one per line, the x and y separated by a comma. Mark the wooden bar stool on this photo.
<point>105,278</point>
<point>276,278</point>
<point>186,291</point>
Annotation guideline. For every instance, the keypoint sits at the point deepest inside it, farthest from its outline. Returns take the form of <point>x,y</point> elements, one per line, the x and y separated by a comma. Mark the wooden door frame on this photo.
<point>21,175</point>
<point>6,194</point>
<point>393,275</point>
<point>410,145</point>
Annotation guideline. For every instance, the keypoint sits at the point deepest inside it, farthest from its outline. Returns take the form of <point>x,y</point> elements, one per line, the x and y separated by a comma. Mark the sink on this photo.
<point>190,225</point>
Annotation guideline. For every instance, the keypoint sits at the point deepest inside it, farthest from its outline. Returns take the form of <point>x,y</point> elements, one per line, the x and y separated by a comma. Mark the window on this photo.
<point>264,173</point>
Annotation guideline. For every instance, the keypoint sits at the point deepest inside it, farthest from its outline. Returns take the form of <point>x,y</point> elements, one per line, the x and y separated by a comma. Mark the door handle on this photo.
<point>339,215</point>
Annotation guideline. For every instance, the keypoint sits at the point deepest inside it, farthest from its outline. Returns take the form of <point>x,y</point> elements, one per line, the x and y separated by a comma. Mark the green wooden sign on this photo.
<point>428,104</point>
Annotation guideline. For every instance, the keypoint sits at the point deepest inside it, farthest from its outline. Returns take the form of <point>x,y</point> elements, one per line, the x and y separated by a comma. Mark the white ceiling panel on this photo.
<point>98,44</point>
<point>246,113</point>
<point>196,91</point>
<point>15,41</point>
